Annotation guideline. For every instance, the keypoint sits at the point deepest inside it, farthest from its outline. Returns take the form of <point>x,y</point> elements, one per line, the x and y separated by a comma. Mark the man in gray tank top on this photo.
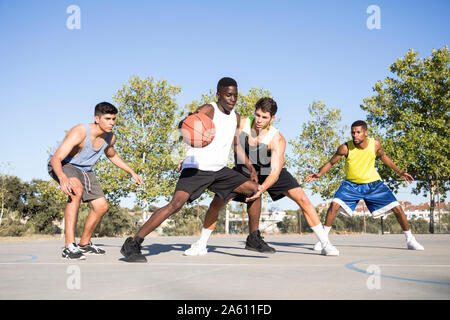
<point>71,166</point>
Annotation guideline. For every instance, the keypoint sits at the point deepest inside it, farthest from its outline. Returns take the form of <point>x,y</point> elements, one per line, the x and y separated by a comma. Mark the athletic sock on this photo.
<point>204,236</point>
<point>321,234</point>
<point>408,235</point>
<point>139,240</point>
<point>326,229</point>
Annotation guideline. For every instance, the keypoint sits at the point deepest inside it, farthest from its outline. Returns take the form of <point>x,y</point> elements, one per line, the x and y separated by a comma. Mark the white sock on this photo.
<point>408,235</point>
<point>204,236</point>
<point>326,229</point>
<point>321,234</point>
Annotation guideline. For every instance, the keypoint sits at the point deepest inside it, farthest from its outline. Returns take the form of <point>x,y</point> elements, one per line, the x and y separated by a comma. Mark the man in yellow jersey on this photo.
<point>362,182</point>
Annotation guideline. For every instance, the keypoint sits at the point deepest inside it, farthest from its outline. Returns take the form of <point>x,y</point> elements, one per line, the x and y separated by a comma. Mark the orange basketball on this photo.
<point>198,130</point>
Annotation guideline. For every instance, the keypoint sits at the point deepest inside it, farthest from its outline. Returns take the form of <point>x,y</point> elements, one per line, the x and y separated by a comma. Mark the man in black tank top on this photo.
<point>265,148</point>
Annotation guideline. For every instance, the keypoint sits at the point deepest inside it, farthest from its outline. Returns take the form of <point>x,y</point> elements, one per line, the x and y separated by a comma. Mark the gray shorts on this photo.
<point>91,187</point>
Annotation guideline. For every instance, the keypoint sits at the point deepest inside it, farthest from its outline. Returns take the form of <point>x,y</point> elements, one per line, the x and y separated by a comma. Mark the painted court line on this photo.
<point>352,267</point>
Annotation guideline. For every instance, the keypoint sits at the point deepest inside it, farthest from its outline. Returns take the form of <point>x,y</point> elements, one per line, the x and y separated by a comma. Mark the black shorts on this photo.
<point>91,187</point>
<point>284,183</point>
<point>222,182</point>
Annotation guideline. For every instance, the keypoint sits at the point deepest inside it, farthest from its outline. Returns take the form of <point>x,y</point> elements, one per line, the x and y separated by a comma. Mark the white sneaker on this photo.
<point>412,244</point>
<point>196,249</point>
<point>329,250</point>
<point>318,246</point>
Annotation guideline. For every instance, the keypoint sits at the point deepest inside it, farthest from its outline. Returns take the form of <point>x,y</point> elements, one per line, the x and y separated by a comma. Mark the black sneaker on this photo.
<point>131,250</point>
<point>256,243</point>
<point>91,249</point>
<point>72,252</point>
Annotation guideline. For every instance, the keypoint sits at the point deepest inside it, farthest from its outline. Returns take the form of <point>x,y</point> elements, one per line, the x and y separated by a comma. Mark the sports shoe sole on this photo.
<point>195,255</point>
<point>69,258</point>
<point>256,250</point>
<point>128,259</point>
<point>94,253</point>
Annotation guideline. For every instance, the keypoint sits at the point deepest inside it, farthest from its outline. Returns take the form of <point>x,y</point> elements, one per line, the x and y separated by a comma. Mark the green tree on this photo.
<point>147,119</point>
<point>43,203</point>
<point>316,144</point>
<point>412,109</point>
<point>116,222</point>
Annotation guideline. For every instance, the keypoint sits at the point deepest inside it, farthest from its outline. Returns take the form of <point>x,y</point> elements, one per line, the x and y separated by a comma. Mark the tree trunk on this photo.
<point>432,193</point>
<point>439,207</point>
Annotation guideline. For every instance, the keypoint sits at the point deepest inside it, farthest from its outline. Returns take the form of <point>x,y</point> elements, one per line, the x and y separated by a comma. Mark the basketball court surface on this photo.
<point>369,267</point>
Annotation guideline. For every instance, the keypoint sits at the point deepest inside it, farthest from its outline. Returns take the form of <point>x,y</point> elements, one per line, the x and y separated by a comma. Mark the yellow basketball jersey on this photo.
<point>360,164</point>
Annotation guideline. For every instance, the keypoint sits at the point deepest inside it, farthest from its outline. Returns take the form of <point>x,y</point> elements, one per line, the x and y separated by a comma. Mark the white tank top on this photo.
<point>214,156</point>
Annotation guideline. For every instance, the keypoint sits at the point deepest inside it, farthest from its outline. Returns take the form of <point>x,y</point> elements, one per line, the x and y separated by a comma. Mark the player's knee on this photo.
<point>398,210</point>
<point>334,206</point>
<point>77,192</point>
<point>102,208</point>
<point>175,205</point>
<point>217,204</point>
<point>252,187</point>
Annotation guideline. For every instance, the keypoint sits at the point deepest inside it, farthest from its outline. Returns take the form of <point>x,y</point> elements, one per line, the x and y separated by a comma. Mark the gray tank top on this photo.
<point>87,158</point>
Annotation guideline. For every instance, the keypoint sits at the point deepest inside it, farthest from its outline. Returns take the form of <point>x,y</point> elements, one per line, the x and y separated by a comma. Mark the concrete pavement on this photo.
<point>369,267</point>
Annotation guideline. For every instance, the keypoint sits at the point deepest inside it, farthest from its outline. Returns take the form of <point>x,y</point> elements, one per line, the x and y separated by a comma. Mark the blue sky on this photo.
<point>51,77</point>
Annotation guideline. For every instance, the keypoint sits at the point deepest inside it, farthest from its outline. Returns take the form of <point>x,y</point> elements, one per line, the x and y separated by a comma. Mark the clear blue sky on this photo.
<point>52,77</point>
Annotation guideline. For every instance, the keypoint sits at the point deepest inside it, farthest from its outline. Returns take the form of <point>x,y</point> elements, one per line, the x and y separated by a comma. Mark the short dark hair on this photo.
<point>105,108</point>
<point>360,123</point>
<point>267,104</point>
<point>226,82</point>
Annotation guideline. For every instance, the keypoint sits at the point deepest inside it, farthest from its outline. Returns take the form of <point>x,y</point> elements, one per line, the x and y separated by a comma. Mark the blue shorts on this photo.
<point>378,197</point>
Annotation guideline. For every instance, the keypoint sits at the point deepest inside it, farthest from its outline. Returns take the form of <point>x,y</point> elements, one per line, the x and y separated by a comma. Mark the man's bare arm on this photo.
<point>388,161</point>
<point>118,162</point>
<point>74,138</point>
<point>341,151</point>
<point>241,156</point>
<point>277,147</point>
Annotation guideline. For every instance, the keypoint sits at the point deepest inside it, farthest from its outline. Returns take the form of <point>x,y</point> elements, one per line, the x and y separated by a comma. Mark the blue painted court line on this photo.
<point>31,257</point>
<point>351,266</point>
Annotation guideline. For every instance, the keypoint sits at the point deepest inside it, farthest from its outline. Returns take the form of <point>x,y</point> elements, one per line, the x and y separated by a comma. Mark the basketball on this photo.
<point>198,130</point>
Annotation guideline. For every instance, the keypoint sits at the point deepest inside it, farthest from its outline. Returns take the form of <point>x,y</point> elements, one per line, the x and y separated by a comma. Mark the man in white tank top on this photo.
<point>204,168</point>
<point>265,147</point>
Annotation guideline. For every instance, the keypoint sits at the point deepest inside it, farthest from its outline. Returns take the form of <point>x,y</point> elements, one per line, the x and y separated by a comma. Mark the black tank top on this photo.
<point>258,155</point>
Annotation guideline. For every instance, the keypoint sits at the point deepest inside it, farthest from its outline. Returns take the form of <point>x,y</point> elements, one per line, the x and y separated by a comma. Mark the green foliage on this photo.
<point>316,144</point>
<point>13,228</point>
<point>13,192</point>
<point>45,203</point>
<point>290,223</point>
<point>411,108</point>
<point>115,223</point>
<point>147,119</point>
<point>185,221</point>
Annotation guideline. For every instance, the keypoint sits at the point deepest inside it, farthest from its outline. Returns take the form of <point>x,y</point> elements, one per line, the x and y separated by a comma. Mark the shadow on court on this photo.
<point>35,270</point>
